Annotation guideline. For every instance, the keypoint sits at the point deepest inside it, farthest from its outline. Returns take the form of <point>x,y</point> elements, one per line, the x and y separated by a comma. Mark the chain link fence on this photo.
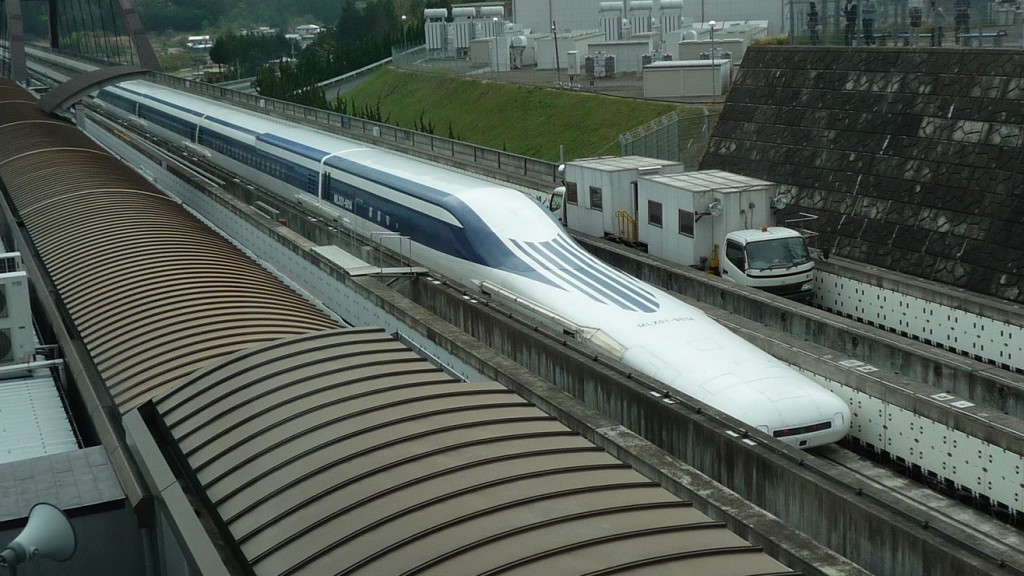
<point>985,23</point>
<point>672,138</point>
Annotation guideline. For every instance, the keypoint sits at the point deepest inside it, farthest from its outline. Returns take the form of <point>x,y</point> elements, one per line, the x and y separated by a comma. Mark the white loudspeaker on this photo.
<point>48,534</point>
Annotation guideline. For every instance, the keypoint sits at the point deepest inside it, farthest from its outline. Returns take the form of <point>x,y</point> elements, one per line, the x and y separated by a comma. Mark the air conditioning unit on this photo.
<point>10,262</point>
<point>17,340</point>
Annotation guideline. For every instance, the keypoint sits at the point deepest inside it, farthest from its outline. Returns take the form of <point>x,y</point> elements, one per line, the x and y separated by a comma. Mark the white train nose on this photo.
<point>831,424</point>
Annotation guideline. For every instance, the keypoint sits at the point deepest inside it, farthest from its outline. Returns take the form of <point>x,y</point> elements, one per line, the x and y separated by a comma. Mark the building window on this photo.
<point>595,198</point>
<point>571,194</point>
<point>686,223</point>
<point>654,213</point>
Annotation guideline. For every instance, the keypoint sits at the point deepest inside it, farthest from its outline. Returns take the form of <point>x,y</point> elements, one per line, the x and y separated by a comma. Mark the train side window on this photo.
<point>686,223</point>
<point>596,202</point>
<point>571,194</point>
<point>654,213</point>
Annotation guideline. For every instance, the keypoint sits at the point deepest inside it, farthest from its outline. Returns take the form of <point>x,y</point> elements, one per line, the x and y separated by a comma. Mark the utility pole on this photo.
<point>558,64</point>
<point>714,72</point>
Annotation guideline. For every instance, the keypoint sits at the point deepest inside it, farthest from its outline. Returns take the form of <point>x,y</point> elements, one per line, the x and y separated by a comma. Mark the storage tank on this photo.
<point>640,16</point>
<point>609,65</point>
<point>610,14</point>
<point>670,15</point>
<point>435,13</point>
<point>436,30</point>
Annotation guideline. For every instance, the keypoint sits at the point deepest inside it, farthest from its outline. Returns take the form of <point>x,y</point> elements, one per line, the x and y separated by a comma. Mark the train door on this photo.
<point>325,187</point>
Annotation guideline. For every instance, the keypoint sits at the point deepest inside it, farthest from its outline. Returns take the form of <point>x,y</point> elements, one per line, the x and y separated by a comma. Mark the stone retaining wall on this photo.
<point>910,158</point>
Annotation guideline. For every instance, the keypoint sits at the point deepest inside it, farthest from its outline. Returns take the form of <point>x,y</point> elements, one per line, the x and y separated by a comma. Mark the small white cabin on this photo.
<point>683,215</point>
<point>597,188</point>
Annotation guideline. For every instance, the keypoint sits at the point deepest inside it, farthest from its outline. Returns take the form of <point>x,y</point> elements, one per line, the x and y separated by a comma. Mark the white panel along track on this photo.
<point>942,452</point>
<point>984,339</point>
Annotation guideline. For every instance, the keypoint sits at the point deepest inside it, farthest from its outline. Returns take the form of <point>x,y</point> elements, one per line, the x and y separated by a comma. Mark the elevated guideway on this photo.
<point>713,443</point>
<point>898,388</point>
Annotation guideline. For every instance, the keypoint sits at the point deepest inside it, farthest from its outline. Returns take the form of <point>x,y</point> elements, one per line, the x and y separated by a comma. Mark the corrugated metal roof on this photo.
<point>345,453</point>
<point>154,293</point>
<point>711,180</point>
<point>617,163</point>
<point>33,421</point>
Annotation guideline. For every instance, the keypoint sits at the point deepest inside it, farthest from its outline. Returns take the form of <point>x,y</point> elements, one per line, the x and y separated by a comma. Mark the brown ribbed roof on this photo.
<point>154,293</point>
<point>344,452</point>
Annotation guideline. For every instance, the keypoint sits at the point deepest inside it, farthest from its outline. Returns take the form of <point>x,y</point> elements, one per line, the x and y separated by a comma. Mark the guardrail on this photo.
<point>518,169</point>
<point>354,74</point>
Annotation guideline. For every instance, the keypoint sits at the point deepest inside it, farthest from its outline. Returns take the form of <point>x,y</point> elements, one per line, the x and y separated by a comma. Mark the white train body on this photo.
<point>484,235</point>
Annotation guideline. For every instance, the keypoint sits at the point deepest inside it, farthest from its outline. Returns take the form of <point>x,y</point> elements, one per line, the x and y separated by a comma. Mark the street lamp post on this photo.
<point>405,43</point>
<point>714,82</point>
<point>558,65</point>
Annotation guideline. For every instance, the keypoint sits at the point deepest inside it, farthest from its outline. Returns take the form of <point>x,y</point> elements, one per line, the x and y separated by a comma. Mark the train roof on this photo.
<point>506,211</point>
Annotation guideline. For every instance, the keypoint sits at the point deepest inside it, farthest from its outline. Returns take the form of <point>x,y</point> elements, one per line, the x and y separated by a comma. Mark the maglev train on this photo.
<point>496,239</point>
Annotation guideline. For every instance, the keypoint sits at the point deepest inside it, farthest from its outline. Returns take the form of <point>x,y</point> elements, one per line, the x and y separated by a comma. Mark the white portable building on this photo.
<point>683,215</point>
<point>725,48</point>
<point>566,42</point>
<point>598,189</point>
<point>678,78</point>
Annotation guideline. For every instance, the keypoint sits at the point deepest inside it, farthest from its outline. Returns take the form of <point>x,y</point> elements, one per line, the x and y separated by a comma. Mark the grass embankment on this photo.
<point>528,120</point>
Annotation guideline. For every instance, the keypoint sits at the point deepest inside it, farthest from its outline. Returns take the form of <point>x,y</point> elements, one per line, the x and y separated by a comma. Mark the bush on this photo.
<point>780,40</point>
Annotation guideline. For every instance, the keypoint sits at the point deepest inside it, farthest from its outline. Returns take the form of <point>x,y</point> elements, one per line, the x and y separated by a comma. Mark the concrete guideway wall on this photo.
<point>981,328</point>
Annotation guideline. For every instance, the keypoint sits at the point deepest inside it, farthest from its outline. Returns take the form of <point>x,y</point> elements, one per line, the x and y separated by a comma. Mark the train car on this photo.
<point>498,240</point>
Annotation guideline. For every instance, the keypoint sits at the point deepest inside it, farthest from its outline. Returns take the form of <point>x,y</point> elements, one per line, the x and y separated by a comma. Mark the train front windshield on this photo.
<point>777,253</point>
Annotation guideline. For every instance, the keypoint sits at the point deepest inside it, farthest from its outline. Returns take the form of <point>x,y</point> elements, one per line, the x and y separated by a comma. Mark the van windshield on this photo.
<point>777,253</point>
<point>555,202</point>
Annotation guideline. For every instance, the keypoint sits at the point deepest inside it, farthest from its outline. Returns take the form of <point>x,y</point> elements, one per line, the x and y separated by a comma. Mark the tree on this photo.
<point>249,51</point>
<point>361,37</point>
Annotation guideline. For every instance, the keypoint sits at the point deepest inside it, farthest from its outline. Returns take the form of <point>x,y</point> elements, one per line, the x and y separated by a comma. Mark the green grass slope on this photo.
<point>527,120</point>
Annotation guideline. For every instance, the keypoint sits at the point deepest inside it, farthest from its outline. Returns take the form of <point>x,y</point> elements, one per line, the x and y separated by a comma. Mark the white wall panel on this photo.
<point>936,448</point>
<point>1004,477</point>
<point>984,339</point>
